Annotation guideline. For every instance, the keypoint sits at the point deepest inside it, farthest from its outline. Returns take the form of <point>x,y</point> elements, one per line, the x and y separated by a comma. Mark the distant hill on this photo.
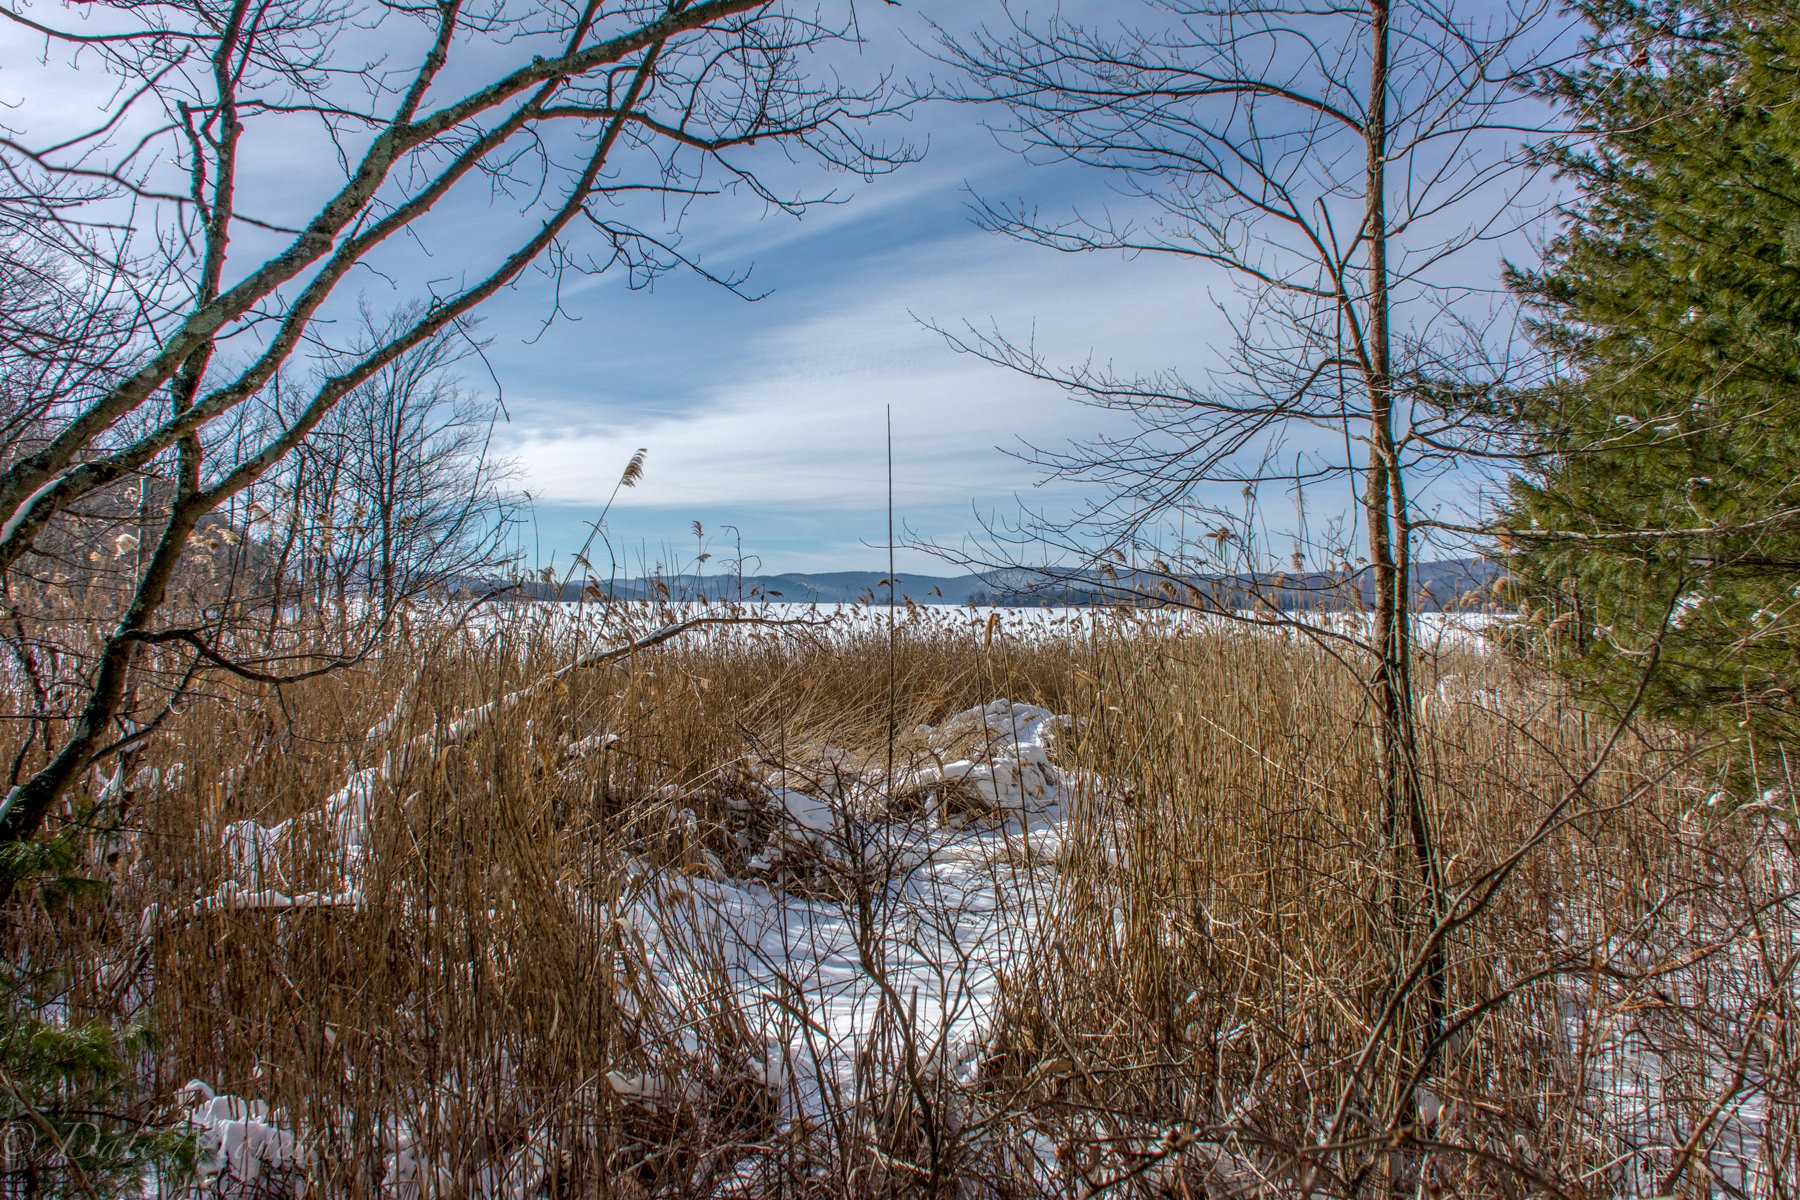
<point>1435,585</point>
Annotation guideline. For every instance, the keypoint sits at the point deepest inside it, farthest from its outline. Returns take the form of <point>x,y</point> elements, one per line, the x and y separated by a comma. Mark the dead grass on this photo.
<point>1235,932</point>
<point>1204,1010</point>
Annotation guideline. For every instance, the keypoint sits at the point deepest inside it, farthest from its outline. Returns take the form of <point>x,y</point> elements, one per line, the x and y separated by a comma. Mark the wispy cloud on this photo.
<point>799,420</point>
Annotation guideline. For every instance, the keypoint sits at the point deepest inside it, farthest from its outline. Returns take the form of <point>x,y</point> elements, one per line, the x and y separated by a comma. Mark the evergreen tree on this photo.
<point>69,1086</point>
<point>1669,449</point>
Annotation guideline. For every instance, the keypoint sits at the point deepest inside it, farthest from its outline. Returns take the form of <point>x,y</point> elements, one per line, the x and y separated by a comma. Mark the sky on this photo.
<point>766,421</point>
<point>771,416</point>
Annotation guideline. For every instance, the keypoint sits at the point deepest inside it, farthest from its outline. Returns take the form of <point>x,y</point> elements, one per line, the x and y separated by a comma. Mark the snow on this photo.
<point>926,910</point>
<point>238,1140</point>
<point>951,909</point>
<point>806,812</point>
<point>1014,765</point>
<point>601,622</point>
<point>816,981</point>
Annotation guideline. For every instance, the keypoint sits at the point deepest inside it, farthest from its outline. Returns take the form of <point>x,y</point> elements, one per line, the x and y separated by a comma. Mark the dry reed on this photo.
<point>1200,1009</point>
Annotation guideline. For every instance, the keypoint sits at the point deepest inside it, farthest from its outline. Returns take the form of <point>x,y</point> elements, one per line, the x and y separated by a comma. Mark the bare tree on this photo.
<point>1343,166</point>
<point>60,333</point>
<point>396,493</point>
<point>604,123</point>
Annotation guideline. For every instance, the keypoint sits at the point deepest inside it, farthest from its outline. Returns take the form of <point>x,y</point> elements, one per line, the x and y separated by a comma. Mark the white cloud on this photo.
<point>801,422</point>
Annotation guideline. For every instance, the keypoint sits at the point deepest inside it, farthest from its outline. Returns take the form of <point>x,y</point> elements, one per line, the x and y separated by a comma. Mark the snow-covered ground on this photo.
<point>938,905</point>
<point>1435,629</point>
<point>908,898</point>
<point>875,920</point>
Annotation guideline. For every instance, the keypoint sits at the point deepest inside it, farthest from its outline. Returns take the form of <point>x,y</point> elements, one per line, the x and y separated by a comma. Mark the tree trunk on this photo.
<point>1405,824</point>
<point>32,800</point>
<point>1382,484</point>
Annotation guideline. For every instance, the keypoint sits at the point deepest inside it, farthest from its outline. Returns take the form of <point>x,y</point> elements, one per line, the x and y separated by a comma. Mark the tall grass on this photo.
<point>1616,951</point>
<point>1219,993</point>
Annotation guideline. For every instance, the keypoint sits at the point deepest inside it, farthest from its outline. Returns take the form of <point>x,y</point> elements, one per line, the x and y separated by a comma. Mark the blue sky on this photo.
<point>770,416</point>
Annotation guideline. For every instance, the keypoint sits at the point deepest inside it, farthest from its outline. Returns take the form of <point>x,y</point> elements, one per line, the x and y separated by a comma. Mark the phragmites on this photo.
<point>523,922</point>
<point>634,470</point>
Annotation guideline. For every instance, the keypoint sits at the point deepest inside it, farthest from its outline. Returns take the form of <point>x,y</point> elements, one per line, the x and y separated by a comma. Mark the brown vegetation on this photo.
<point>1222,993</point>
